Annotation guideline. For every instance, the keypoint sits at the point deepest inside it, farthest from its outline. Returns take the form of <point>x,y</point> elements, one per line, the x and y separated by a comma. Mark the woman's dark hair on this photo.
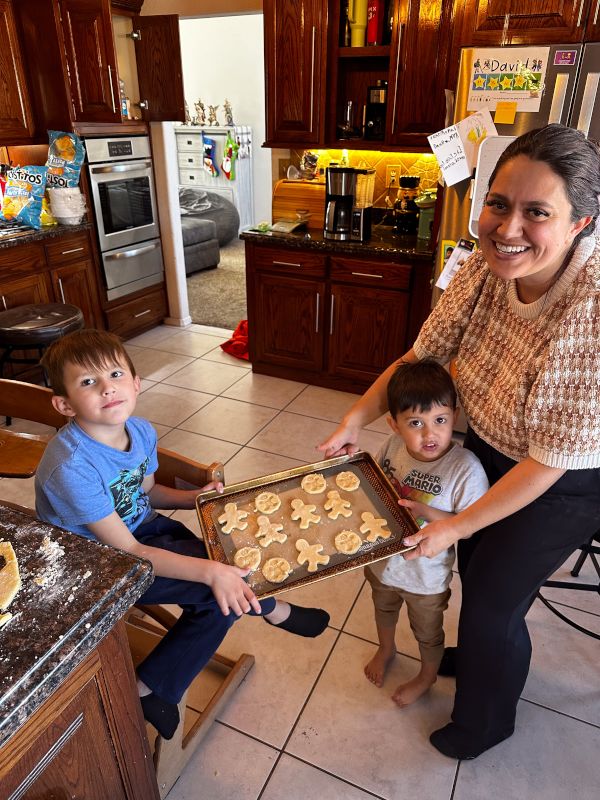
<point>572,157</point>
<point>420,386</point>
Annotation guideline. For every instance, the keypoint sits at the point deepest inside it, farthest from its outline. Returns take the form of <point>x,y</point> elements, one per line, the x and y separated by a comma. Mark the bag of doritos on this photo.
<point>65,157</point>
<point>23,193</point>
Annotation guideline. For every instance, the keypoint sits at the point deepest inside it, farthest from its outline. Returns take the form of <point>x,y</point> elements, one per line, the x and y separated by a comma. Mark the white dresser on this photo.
<point>190,159</point>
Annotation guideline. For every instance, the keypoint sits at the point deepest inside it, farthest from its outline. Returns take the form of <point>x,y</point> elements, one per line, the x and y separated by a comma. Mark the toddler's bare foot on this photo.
<point>410,692</point>
<point>377,667</point>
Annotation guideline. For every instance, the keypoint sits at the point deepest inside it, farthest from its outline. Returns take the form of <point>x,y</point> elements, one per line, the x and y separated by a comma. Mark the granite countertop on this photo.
<point>22,235</point>
<point>73,592</point>
<point>383,243</point>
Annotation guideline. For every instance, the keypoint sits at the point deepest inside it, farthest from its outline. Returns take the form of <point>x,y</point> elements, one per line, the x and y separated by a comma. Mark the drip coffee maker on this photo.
<point>340,183</point>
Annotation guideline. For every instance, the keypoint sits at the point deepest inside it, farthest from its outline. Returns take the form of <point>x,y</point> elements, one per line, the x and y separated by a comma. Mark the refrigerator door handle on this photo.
<point>586,111</point>
<point>558,97</point>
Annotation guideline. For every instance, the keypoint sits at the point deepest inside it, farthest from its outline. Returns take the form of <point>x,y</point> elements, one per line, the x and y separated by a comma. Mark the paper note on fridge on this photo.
<point>456,147</point>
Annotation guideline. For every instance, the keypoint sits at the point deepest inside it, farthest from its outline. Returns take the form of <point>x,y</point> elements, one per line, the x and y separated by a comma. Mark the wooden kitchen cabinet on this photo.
<point>15,112</point>
<point>28,290</point>
<point>592,31</point>
<point>73,276</point>
<point>500,22</point>
<point>330,319</point>
<point>138,314</point>
<point>295,70</point>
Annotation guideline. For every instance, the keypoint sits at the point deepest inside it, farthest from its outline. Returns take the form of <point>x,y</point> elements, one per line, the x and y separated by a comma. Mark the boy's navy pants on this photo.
<point>184,650</point>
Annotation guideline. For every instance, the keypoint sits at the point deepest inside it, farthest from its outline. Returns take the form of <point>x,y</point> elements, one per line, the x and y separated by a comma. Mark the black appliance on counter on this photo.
<point>340,183</point>
<point>406,211</point>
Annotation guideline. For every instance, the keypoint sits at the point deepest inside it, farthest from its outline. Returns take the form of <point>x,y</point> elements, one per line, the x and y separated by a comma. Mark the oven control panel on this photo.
<point>119,148</point>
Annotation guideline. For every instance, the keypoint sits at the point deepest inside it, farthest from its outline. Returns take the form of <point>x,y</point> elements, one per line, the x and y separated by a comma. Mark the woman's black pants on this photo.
<point>501,569</point>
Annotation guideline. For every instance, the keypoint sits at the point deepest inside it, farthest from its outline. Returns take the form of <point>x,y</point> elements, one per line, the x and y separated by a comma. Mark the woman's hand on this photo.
<point>343,441</point>
<point>432,539</point>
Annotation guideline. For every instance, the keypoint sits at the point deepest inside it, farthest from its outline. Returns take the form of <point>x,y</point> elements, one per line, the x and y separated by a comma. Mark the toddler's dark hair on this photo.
<point>420,386</point>
<point>90,349</point>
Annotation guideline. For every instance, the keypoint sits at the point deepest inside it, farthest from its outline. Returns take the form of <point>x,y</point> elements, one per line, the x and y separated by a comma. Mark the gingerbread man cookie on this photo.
<point>232,518</point>
<point>347,542</point>
<point>247,558</point>
<point>304,512</point>
<point>374,527</point>
<point>267,502</point>
<point>276,570</point>
<point>311,553</point>
<point>347,481</point>
<point>337,506</point>
<point>314,483</point>
<point>268,532</point>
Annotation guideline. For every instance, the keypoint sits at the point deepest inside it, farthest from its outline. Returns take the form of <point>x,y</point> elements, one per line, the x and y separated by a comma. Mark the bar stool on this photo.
<point>35,327</point>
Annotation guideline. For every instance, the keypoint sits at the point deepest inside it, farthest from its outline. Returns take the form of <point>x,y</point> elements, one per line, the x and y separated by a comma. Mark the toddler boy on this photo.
<point>434,477</point>
<point>96,479</point>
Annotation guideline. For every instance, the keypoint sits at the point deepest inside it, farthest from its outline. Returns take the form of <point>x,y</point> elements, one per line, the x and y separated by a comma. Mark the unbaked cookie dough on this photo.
<point>304,512</point>
<point>374,527</point>
<point>267,502</point>
<point>347,481</point>
<point>337,506</point>
<point>232,518</point>
<point>10,580</point>
<point>247,558</point>
<point>276,570</point>
<point>268,532</point>
<point>347,542</point>
<point>311,553</point>
<point>314,483</point>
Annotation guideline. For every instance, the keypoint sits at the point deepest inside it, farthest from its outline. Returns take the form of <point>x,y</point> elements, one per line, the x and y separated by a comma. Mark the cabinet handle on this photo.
<point>331,315</point>
<point>142,313</point>
<point>137,251</point>
<point>367,275</point>
<point>112,91</point>
<point>60,286</point>
<point>312,77</point>
<point>396,81</point>
<point>596,11</point>
<point>581,4</point>
<point>79,249</point>
<point>4,303</point>
<point>286,264</point>
<point>317,313</point>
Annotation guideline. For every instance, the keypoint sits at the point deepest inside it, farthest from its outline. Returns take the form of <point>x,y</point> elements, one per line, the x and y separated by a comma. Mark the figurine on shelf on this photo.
<point>188,119</point>
<point>212,115</point>
<point>228,114</point>
<point>200,113</point>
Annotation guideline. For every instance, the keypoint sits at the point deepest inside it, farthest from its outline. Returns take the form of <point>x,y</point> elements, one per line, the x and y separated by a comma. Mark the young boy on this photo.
<point>97,479</point>
<point>435,477</point>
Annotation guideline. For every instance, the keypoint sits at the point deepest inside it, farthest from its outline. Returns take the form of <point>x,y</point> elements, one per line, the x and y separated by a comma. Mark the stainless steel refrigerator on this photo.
<point>569,96</point>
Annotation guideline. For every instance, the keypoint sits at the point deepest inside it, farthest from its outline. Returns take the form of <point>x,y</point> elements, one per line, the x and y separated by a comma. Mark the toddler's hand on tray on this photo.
<point>416,509</point>
<point>230,591</point>
<point>342,441</point>
<point>216,485</point>
<point>431,540</point>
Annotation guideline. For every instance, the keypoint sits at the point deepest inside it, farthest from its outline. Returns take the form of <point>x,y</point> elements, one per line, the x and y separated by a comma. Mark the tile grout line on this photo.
<point>560,713</point>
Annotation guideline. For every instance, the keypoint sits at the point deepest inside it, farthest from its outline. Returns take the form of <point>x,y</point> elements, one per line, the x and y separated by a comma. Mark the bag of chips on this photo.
<point>65,157</point>
<point>23,193</point>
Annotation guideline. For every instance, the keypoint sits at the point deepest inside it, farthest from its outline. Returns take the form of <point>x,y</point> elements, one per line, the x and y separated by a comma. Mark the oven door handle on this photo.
<point>138,251</point>
<point>122,167</point>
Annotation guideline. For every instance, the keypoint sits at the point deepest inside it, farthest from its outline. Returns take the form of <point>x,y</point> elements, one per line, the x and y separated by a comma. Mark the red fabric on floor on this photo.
<point>238,344</point>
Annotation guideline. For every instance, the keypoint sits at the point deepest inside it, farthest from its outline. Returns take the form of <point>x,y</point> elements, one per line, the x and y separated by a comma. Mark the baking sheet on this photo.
<point>375,494</point>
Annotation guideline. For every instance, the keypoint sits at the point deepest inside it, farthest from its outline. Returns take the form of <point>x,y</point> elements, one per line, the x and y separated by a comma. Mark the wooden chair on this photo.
<point>146,624</point>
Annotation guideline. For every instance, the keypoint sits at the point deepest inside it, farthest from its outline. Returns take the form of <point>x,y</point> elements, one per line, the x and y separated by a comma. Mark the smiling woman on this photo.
<point>521,318</point>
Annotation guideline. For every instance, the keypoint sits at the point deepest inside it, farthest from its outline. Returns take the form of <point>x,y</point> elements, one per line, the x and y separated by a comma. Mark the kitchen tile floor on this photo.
<point>306,720</point>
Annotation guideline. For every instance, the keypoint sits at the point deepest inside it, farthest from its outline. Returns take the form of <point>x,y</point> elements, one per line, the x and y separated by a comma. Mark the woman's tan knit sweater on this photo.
<point>528,375</point>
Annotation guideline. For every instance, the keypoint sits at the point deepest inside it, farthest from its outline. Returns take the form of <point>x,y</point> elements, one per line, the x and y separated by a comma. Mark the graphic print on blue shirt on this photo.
<point>129,499</point>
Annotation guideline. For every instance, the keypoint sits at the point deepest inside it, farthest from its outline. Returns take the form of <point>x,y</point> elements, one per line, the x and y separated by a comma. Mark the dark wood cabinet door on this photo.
<point>286,321</point>
<point>418,71</point>
<point>295,53</point>
<point>30,289</point>
<point>160,74</point>
<point>367,330</point>
<point>499,22</point>
<point>74,284</point>
<point>91,60</point>
<point>592,31</point>
<point>15,113</point>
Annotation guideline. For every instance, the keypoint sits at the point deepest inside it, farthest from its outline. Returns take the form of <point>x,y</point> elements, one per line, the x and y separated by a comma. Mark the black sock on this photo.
<point>164,716</point>
<point>302,621</point>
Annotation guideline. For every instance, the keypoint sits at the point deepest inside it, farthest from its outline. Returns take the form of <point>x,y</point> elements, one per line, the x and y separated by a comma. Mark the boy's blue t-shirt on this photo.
<point>80,480</point>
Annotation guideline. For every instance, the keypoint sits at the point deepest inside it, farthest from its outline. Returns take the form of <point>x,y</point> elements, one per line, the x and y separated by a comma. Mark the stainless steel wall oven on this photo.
<point>122,185</point>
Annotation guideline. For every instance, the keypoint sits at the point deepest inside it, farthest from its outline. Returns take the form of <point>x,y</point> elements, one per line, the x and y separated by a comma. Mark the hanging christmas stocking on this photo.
<point>210,150</point>
<point>229,157</point>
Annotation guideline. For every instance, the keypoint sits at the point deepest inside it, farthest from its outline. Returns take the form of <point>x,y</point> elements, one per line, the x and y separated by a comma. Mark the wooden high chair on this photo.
<point>146,624</point>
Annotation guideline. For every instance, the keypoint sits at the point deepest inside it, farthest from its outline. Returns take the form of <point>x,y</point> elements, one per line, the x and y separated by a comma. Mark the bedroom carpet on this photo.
<point>217,297</point>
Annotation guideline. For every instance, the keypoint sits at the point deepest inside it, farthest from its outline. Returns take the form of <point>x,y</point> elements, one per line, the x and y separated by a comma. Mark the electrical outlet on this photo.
<point>392,176</point>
